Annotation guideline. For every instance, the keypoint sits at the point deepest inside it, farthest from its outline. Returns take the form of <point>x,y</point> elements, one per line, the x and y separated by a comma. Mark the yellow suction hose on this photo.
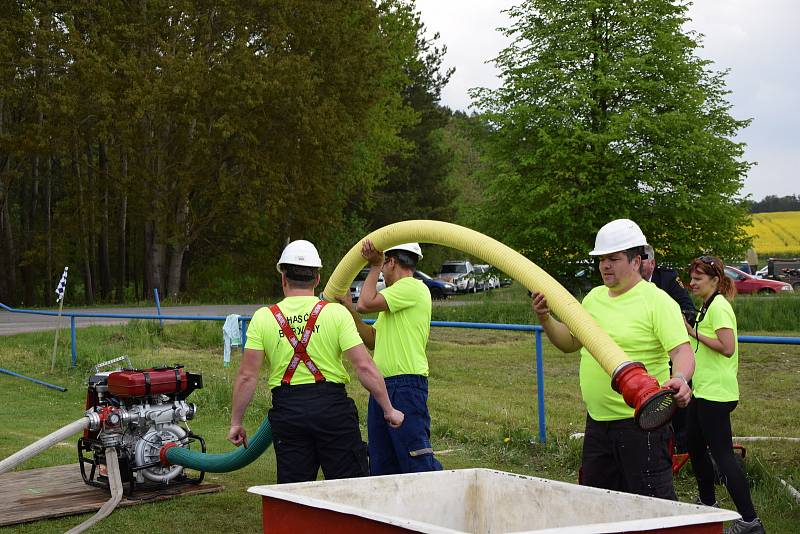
<point>507,260</point>
<point>636,386</point>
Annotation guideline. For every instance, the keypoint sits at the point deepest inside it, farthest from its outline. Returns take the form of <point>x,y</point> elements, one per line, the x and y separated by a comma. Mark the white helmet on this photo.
<point>300,252</point>
<point>409,247</point>
<point>616,236</point>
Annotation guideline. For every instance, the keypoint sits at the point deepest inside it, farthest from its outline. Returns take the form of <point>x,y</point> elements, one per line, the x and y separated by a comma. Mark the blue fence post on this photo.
<point>540,387</point>
<point>158,307</point>
<point>72,340</point>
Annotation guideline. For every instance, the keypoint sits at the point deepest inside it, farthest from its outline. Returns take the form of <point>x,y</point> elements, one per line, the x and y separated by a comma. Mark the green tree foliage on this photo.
<point>160,144</point>
<point>416,182</point>
<point>469,169</point>
<point>606,111</point>
<point>465,138</point>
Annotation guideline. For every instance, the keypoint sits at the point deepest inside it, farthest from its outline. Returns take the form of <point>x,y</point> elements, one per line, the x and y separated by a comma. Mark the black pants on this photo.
<point>679,428</point>
<point>679,425</point>
<point>618,455</point>
<point>709,425</point>
<point>313,426</point>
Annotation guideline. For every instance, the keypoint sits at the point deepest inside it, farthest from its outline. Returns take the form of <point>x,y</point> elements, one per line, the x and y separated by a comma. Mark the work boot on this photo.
<point>740,526</point>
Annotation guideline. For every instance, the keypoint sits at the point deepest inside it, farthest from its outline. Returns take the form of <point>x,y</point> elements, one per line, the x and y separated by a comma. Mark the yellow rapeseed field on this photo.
<point>776,233</point>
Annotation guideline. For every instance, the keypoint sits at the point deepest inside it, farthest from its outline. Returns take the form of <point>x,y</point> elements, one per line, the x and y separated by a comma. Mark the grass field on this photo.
<point>776,234</point>
<point>482,400</point>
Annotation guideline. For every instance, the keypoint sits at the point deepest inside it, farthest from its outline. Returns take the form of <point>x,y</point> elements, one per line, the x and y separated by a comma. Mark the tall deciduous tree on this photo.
<point>606,111</point>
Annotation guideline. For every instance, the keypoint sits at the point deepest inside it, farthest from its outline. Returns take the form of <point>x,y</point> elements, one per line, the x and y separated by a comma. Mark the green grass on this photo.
<point>767,313</point>
<point>482,400</point>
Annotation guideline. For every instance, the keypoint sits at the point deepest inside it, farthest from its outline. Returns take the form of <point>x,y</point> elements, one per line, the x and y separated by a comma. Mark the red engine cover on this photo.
<point>144,382</point>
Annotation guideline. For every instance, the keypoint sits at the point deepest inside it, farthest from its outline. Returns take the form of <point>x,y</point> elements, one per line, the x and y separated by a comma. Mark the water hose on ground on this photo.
<point>114,484</point>
<point>171,454</point>
<point>45,443</point>
<point>654,406</point>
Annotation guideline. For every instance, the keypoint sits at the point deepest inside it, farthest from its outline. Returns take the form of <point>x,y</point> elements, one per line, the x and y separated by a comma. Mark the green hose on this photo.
<point>223,463</point>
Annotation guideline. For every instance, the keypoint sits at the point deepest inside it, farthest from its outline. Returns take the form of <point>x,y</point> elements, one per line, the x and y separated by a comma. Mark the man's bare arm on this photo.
<point>557,332</point>
<point>243,389</point>
<point>682,370</point>
<point>370,300</point>
<point>371,379</point>
<point>366,331</point>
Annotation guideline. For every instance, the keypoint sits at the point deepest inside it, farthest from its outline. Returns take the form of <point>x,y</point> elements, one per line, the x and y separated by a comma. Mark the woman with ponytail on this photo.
<point>716,392</point>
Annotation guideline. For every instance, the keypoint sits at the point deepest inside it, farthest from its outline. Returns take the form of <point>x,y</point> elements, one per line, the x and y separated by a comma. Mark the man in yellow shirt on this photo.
<point>399,339</point>
<point>314,422</point>
<point>647,324</point>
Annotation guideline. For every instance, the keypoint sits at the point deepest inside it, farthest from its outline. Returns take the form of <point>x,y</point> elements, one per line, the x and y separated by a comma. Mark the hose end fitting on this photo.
<point>653,405</point>
<point>162,454</point>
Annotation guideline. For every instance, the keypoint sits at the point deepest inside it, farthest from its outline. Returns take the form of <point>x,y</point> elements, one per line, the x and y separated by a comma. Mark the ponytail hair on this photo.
<point>726,287</point>
<point>713,266</point>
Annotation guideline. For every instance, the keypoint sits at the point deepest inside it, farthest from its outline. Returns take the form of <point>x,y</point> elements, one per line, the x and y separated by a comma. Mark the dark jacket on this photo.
<point>667,279</point>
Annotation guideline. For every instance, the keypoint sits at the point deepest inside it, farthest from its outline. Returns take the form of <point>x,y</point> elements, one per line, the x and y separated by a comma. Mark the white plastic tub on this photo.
<point>473,500</point>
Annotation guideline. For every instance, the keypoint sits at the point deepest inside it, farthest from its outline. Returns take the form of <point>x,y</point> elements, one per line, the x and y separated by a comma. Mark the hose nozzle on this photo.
<point>654,406</point>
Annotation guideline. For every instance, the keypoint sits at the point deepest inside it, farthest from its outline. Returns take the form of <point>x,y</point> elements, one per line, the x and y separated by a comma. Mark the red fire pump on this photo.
<point>137,411</point>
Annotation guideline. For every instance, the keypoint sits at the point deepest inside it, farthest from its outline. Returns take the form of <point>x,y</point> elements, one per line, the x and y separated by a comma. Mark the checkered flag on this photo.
<point>62,286</point>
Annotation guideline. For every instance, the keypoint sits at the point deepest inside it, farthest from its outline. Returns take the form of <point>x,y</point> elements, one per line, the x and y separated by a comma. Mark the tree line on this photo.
<point>143,141</point>
<point>179,145</point>
<point>772,203</point>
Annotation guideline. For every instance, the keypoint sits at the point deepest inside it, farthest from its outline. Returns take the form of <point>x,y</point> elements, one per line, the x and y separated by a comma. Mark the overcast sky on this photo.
<point>757,40</point>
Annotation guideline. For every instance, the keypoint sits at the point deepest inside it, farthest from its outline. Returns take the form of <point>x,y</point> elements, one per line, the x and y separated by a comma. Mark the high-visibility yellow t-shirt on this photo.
<point>715,374</point>
<point>401,334</point>
<point>646,323</point>
<point>334,333</point>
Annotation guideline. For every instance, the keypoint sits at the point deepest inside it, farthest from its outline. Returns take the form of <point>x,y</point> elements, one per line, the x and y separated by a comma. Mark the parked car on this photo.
<point>484,274</point>
<point>439,288</point>
<point>747,283</point>
<point>358,282</point>
<point>762,272</point>
<point>461,273</point>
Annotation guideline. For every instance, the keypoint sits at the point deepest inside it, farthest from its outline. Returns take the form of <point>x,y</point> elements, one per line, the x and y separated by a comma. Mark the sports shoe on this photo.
<point>741,526</point>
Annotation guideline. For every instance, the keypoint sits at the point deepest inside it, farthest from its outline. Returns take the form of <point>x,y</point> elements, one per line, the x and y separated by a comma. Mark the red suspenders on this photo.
<point>299,345</point>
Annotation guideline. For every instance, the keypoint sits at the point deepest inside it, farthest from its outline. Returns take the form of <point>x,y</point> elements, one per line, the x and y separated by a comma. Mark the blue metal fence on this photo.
<point>243,320</point>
